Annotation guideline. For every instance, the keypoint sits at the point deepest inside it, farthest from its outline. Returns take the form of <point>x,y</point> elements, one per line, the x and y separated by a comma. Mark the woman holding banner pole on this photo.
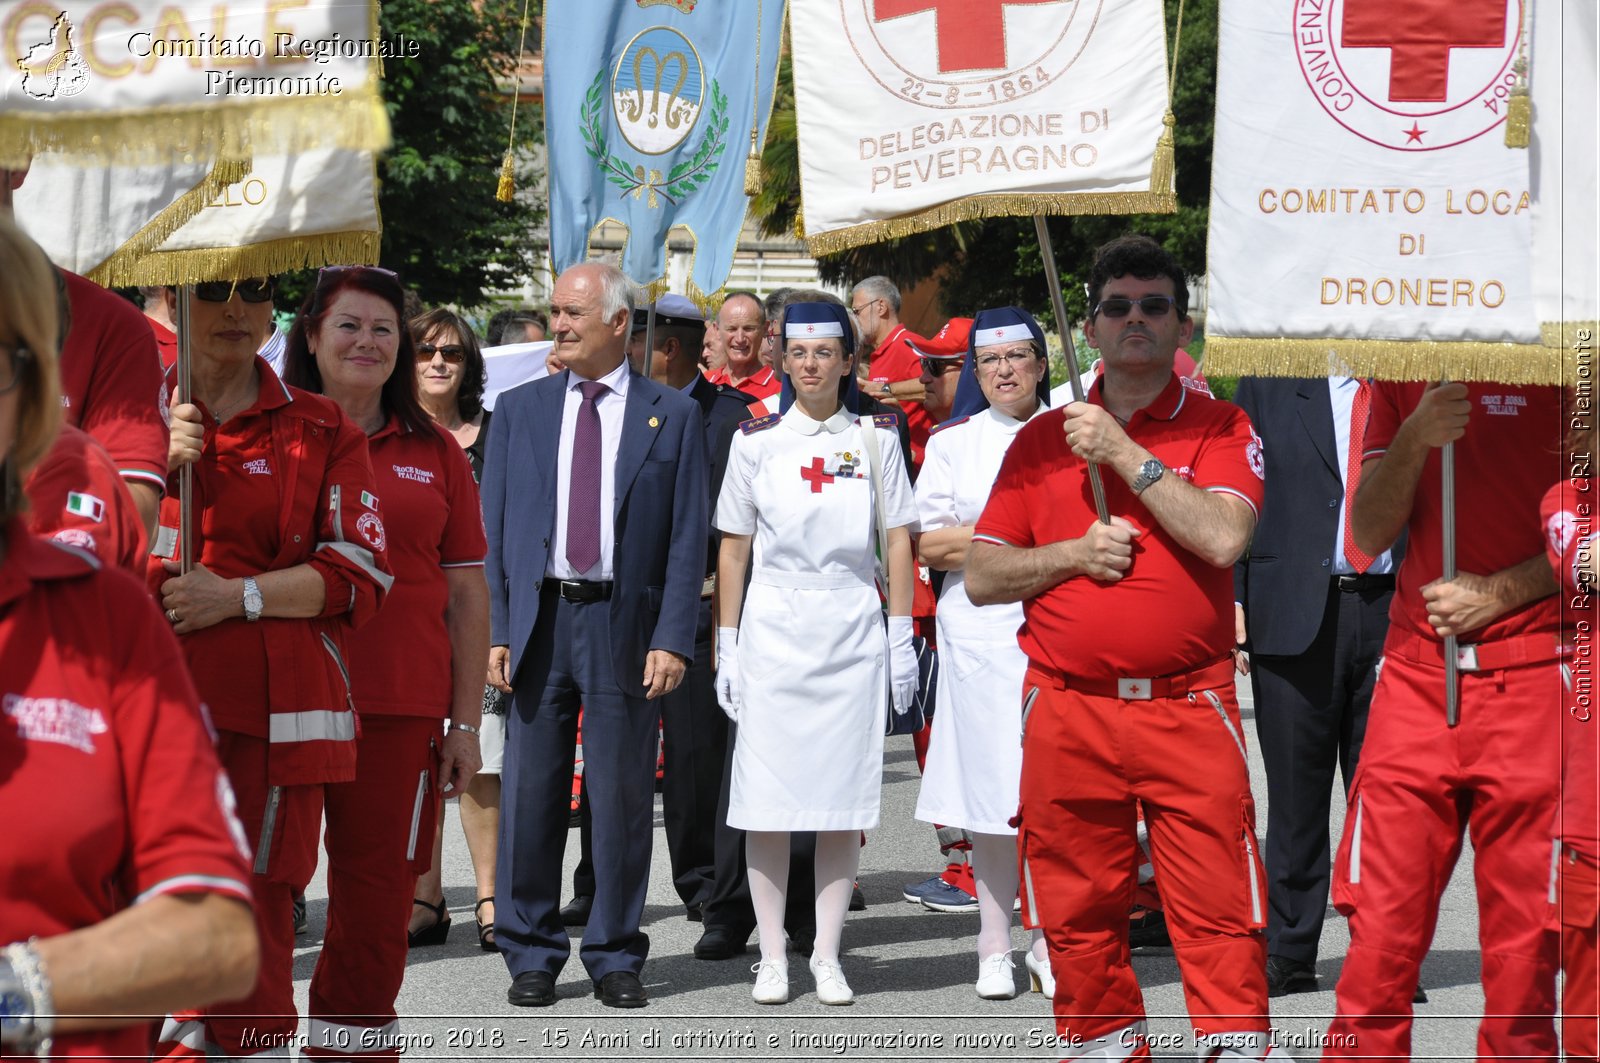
<point>285,561</point>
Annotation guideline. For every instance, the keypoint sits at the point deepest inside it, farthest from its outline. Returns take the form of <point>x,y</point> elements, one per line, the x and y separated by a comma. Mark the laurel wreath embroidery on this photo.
<point>683,178</point>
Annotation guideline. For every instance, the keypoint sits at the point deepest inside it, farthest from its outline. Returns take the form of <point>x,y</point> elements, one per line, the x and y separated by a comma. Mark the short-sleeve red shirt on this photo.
<point>111,381</point>
<point>400,660</point>
<point>1497,511</point>
<point>1171,611</point>
<point>76,496</point>
<point>896,360</point>
<point>112,792</point>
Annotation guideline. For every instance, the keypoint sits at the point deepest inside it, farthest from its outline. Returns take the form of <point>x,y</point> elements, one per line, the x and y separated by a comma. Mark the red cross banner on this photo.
<point>181,224</point>
<point>913,114</point>
<point>145,82</point>
<point>1365,203</point>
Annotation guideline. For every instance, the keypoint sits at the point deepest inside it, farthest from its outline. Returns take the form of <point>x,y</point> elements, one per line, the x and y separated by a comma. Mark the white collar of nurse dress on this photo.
<point>799,421</point>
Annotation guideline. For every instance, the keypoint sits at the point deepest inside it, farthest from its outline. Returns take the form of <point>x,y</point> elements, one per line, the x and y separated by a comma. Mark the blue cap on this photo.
<point>817,321</point>
<point>1001,324</point>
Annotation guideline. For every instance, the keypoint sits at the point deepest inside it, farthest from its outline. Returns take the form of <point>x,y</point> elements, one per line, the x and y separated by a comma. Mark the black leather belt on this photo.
<point>1366,582</point>
<point>584,590</point>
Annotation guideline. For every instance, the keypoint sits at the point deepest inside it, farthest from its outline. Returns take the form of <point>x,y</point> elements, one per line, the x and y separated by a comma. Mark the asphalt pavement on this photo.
<point>912,971</point>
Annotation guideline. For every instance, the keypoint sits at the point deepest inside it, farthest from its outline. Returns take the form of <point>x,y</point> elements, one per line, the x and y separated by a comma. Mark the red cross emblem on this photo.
<point>1419,35</point>
<point>972,33</point>
<point>811,328</point>
<point>813,475</point>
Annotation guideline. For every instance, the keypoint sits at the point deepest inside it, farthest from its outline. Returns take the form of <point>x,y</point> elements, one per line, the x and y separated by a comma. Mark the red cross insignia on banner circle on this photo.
<point>961,54</point>
<point>1437,78</point>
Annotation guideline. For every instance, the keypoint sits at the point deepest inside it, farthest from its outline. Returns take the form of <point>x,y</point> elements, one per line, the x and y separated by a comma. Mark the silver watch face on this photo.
<point>252,601</point>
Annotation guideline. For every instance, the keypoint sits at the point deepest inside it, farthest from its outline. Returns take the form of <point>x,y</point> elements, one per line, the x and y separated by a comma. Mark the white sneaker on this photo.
<point>1042,980</point>
<point>772,983</point>
<point>831,986</point>
<point>995,980</point>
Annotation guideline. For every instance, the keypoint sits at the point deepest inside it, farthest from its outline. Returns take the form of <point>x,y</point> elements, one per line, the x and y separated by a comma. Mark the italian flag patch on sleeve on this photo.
<point>369,500</point>
<point>86,506</point>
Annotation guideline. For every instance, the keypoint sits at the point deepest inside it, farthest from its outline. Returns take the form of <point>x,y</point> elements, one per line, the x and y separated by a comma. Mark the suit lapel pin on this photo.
<point>655,422</point>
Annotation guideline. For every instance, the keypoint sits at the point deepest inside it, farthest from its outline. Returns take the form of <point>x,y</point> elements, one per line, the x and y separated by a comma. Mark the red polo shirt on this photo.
<point>763,385</point>
<point>400,661</point>
<point>1171,611</point>
<point>896,360</point>
<point>111,381</point>
<point>76,497</point>
<point>111,791</point>
<point>1497,509</point>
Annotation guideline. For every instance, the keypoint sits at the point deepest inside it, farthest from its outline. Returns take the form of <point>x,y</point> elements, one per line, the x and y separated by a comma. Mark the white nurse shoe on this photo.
<point>1042,980</point>
<point>831,986</point>
<point>772,983</point>
<point>995,980</point>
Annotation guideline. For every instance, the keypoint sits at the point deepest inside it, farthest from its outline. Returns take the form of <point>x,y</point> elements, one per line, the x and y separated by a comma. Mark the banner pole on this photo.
<point>1447,485</point>
<point>185,394</point>
<point>649,335</point>
<point>1052,277</point>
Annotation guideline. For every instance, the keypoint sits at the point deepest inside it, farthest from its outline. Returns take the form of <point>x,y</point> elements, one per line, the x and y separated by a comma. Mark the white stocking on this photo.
<point>838,857</point>
<point>766,857</point>
<point>994,871</point>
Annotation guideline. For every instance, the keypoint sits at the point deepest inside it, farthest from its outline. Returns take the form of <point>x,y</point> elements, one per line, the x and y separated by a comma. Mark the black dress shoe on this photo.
<point>802,939</point>
<point>1420,996</point>
<point>693,913</point>
<point>621,989</point>
<point>858,900</point>
<point>721,942</point>
<point>1285,976</point>
<point>576,912</point>
<point>1147,929</point>
<point>532,989</point>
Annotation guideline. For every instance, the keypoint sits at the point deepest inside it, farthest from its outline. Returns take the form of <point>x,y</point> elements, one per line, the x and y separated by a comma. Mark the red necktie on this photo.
<point>583,490</point>
<point>1359,408</point>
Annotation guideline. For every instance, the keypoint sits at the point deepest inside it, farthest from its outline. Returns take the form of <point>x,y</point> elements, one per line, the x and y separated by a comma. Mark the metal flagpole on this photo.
<point>1447,484</point>
<point>1053,278</point>
<point>649,335</point>
<point>185,394</point>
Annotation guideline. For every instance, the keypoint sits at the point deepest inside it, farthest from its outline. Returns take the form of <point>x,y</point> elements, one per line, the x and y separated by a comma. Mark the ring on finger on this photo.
<point>172,615</point>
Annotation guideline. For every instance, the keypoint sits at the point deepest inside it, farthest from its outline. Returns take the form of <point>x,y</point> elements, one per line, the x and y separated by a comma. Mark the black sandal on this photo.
<point>434,933</point>
<point>485,930</point>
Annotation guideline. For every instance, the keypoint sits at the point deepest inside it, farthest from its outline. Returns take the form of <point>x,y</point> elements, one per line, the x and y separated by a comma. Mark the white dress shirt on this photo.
<point>1342,394</point>
<point>610,405</point>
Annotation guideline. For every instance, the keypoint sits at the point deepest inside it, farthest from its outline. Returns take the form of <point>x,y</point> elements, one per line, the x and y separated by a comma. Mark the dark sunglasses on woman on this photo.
<point>254,290</point>
<point>453,353</point>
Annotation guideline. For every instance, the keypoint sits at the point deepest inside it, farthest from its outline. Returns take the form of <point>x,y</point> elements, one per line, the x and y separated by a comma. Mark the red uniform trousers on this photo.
<point>1420,785</point>
<point>1580,998</point>
<point>263,1023</point>
<point>1087,762</point>
<point>380,838</point>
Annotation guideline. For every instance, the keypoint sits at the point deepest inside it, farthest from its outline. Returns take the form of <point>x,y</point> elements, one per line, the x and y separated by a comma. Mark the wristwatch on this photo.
<point>252,599</point>
<point>467,727</point>
<point>1149,473</point>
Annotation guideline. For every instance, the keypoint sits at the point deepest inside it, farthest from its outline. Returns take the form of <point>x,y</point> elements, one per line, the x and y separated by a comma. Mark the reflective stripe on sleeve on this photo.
<point>363,559</point>
<point>314,725</point>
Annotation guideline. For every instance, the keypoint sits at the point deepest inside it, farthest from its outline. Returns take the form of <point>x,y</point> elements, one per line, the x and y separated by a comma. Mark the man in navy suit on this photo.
<point>594,499</point>
<point>1316,620</point>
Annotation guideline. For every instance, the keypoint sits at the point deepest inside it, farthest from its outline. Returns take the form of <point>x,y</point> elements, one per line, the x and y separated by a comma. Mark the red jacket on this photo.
<point>280,679</point>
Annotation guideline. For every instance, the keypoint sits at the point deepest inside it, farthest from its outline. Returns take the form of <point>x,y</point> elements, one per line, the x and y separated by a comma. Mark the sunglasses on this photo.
<point>452,353</point>
<point>1149,306</point>
<point>255,290</point>
<point>938,366</point>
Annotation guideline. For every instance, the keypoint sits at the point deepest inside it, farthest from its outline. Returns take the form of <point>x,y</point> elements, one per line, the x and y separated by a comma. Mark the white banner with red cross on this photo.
<point>913,114</point>
<point>1364,202</point>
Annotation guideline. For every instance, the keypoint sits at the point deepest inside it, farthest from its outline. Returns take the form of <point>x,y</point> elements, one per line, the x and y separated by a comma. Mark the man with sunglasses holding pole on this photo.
<point>1129,699</point>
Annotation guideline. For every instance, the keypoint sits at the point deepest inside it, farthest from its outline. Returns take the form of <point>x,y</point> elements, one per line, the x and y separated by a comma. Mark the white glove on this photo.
<point>902,664</point>
<point>728,671</point>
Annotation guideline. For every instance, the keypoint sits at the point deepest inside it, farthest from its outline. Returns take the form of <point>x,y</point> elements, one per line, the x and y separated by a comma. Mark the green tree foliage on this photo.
<point>996,262</point>
<point>443,230</point>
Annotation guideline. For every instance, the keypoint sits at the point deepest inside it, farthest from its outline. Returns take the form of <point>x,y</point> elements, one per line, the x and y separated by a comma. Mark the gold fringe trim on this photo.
<point>1519,117</point>
<point>655,289</point>
<point>175,216</point>
<point>1162,166</point>
<point>1579,336</point>
<point>1000,205</point>
<point>1506,363</point>
<point>356,121</point>
<point>357,248</point>
<point>508,179</point>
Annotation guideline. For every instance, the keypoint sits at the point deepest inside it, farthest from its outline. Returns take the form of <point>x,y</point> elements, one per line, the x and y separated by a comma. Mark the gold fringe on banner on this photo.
<point>1001,205</point>
<point>1162,166</point>
<point>508,178</point>
<point>226,263</point>
<point>1505,363</point>
<point>1576,336</point>
<point>1519,117</point>
<point>356,121</point>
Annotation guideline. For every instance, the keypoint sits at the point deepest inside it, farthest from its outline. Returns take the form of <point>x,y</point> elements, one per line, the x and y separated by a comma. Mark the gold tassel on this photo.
<point>507,179</point>
<point>1463,360</point>
<point>1161,166</point>
<point>752,174</point>
<point>1519,117</point>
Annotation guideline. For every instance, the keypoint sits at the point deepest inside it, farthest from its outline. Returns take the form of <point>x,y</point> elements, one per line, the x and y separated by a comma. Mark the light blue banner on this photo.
<point>648,109</point>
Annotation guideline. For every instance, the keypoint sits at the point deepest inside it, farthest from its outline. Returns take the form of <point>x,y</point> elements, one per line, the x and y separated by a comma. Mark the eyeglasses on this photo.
<point>938,366</point>
<point>990,363</point>
<point>12,359</point>
<point>255,290</point>
<point>452,353</point>
<point>1149,306</point>
<point>859,310</point>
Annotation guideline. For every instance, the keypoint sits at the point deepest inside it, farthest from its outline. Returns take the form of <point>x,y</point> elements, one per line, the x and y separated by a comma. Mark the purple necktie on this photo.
<point>583,493</point>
